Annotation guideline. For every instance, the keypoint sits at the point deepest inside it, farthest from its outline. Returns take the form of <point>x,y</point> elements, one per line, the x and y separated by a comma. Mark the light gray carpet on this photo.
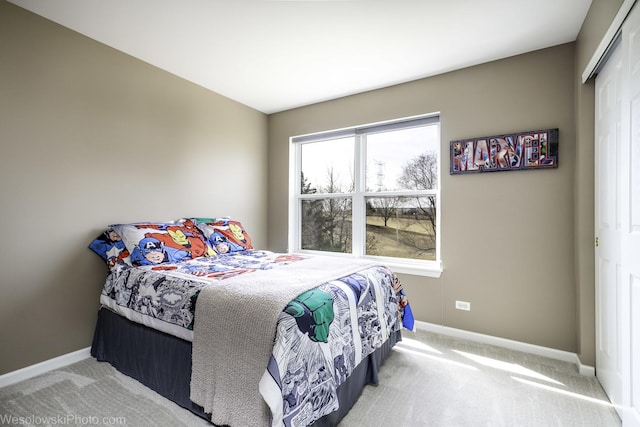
<point>90,393</point>
<point>428,380</point>
<point>438,381</point>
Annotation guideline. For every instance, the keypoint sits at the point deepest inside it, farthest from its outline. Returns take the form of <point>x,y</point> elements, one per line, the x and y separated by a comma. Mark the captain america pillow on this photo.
<point>224,235</point>
<point>110,247</point>
<point>165,242</point>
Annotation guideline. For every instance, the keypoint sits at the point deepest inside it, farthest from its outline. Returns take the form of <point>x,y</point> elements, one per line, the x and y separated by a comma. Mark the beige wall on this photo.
<point>90,136</point>
<point>507,238</point>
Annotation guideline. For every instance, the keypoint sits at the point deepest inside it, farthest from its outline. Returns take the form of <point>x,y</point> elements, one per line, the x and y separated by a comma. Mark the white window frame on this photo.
<point>431,268</point>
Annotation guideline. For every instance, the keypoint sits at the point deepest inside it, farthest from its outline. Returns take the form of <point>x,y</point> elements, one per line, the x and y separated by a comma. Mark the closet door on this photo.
<point>630,214</point>
<point>617,215</point>
<point>608,224</point>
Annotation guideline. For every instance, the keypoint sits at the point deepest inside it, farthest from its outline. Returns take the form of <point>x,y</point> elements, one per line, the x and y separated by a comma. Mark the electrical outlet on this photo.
<point>463,305</point>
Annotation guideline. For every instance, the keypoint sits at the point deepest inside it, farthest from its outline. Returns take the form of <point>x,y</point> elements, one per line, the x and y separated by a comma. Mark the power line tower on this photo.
<point>379,175</point>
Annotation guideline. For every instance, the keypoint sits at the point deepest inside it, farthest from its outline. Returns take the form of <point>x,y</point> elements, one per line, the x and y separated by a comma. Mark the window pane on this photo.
<point>404,159</point>
<point>326,225</point>
<point>401,227</point>
<point>327,166</point>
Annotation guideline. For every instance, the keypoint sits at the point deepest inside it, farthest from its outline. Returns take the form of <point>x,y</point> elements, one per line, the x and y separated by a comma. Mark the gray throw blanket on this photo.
<point>234,331</point>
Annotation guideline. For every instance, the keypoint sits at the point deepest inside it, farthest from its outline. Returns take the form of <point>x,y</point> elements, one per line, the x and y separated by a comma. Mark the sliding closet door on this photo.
<point>608,224</point>
<point>630,214</point>
<point>617,215</point>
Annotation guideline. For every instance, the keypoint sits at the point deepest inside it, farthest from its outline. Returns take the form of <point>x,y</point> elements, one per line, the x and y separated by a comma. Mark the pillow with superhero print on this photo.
<point>110,247</point>
<point>152,243</point>
<point>224,235</point>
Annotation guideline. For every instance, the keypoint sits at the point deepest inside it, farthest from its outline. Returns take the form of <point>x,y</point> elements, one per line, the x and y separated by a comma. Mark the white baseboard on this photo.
<point>510,344</point>
<point>42,367</point>
<point>76,356</point>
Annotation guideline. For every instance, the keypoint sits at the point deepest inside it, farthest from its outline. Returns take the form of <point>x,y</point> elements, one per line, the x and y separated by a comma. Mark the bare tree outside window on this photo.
<point>326,222</point>
<point>401,226</point>
<point>421,173</point>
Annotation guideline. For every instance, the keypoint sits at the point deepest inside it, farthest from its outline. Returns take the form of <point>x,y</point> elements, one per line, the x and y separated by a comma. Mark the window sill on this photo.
<point>426,269</point>
<point>418,270</point>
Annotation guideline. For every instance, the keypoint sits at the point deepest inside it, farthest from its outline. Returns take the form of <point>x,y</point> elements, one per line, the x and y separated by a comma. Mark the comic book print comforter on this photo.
<point>164,296</point>
<point>321,336</point>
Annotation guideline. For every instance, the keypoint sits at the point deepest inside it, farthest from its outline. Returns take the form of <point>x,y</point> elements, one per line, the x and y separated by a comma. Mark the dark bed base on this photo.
<point>162,362</point>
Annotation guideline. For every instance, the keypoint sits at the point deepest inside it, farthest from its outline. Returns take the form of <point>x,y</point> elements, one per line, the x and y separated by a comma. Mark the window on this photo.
<point>369,191</point>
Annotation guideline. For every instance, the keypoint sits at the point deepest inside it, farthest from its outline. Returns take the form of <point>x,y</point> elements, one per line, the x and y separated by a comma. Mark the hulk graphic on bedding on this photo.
<point>313,311</point>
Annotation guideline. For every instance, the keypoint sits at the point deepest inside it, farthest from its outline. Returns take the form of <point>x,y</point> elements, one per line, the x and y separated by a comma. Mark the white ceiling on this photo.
<point>277,55</point>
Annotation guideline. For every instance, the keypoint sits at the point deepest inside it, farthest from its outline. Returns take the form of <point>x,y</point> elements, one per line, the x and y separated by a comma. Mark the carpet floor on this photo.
<point>429,380</point>
<point>432,380</point>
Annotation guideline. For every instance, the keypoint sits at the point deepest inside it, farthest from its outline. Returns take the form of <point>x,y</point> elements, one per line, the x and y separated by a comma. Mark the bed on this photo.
<point>240,336</point>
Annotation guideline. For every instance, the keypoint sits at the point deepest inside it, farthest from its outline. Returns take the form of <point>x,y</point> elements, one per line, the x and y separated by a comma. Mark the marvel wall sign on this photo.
<point>515,151</point>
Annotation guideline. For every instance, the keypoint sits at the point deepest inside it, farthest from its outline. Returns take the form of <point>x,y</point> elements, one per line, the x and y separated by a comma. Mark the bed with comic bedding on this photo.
<point>240,336</point>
